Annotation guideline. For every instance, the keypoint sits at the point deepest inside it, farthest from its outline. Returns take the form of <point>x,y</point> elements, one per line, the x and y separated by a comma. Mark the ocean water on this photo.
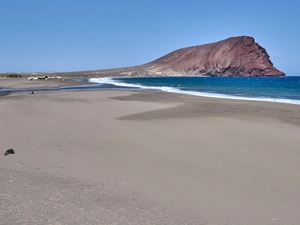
<point>272,89</point>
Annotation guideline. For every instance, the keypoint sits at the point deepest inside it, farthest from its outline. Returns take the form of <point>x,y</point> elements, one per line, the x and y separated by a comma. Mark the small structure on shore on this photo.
<point>31,78</point>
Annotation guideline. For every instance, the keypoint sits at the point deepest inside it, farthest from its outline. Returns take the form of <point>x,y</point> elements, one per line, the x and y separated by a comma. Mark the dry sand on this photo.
<point>124,157</point>
<point>24,83</point>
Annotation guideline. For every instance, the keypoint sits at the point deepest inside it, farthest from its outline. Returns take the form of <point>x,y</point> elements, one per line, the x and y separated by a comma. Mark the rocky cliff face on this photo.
<point>236,56</point>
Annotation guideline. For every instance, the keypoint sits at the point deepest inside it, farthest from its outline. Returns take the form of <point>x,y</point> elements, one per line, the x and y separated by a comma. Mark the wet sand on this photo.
<point>144,157</point>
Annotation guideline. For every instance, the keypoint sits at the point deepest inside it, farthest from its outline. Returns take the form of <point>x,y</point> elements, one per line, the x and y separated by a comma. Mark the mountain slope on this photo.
<point>235,56</point>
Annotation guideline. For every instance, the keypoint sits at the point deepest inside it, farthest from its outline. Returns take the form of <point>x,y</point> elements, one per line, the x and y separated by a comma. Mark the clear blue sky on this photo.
<point>72,35</point>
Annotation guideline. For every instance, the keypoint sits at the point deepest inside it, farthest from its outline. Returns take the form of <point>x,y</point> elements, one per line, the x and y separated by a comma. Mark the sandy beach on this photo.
<point>50,83</point>
<point>145,157</point>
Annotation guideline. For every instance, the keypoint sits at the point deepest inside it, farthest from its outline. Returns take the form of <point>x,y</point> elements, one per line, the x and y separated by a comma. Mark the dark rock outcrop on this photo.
<point>9,151</point>
<point>235,56</point>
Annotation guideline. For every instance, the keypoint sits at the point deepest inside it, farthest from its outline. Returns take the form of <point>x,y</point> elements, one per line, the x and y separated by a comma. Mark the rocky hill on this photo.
<point>235,56</point>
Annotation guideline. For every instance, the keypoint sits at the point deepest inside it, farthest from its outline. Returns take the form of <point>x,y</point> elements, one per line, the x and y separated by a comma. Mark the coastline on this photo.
<point>147,157</point>
<point>24,83</point>
<point>107,83</point>
<point>241,92</point>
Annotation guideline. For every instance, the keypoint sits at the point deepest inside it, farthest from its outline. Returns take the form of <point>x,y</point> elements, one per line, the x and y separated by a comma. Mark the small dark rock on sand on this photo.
<point>9,151</point>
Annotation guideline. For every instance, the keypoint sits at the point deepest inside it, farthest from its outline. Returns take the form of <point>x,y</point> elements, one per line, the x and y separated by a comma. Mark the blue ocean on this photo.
<point>272,89</point>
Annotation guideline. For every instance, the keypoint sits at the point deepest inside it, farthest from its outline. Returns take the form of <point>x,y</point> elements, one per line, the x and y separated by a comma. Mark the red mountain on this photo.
<point>235,56</point>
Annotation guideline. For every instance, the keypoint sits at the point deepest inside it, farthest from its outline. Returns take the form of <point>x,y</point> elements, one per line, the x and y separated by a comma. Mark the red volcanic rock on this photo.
<point>235,56</point>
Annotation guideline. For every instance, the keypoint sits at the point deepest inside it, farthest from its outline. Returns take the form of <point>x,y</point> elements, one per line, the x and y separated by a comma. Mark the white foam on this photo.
<point>215,95</point>
<point>108,80</point>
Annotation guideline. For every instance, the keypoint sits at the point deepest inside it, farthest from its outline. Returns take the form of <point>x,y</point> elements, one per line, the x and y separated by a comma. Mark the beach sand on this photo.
<point>50,83</point>
<point>145,157</point>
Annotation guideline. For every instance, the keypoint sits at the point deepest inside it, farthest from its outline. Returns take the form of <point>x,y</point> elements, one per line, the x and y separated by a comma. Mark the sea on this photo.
<point>271,89</point>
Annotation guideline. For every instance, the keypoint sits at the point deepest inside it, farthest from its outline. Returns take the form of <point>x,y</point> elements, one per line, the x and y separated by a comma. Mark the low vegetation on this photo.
<point>12,75</point>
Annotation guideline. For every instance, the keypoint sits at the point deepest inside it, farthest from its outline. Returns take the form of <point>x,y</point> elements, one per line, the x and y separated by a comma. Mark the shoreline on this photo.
<point>148,157</point>
<point>172,89</point>
<point>15,85</point>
